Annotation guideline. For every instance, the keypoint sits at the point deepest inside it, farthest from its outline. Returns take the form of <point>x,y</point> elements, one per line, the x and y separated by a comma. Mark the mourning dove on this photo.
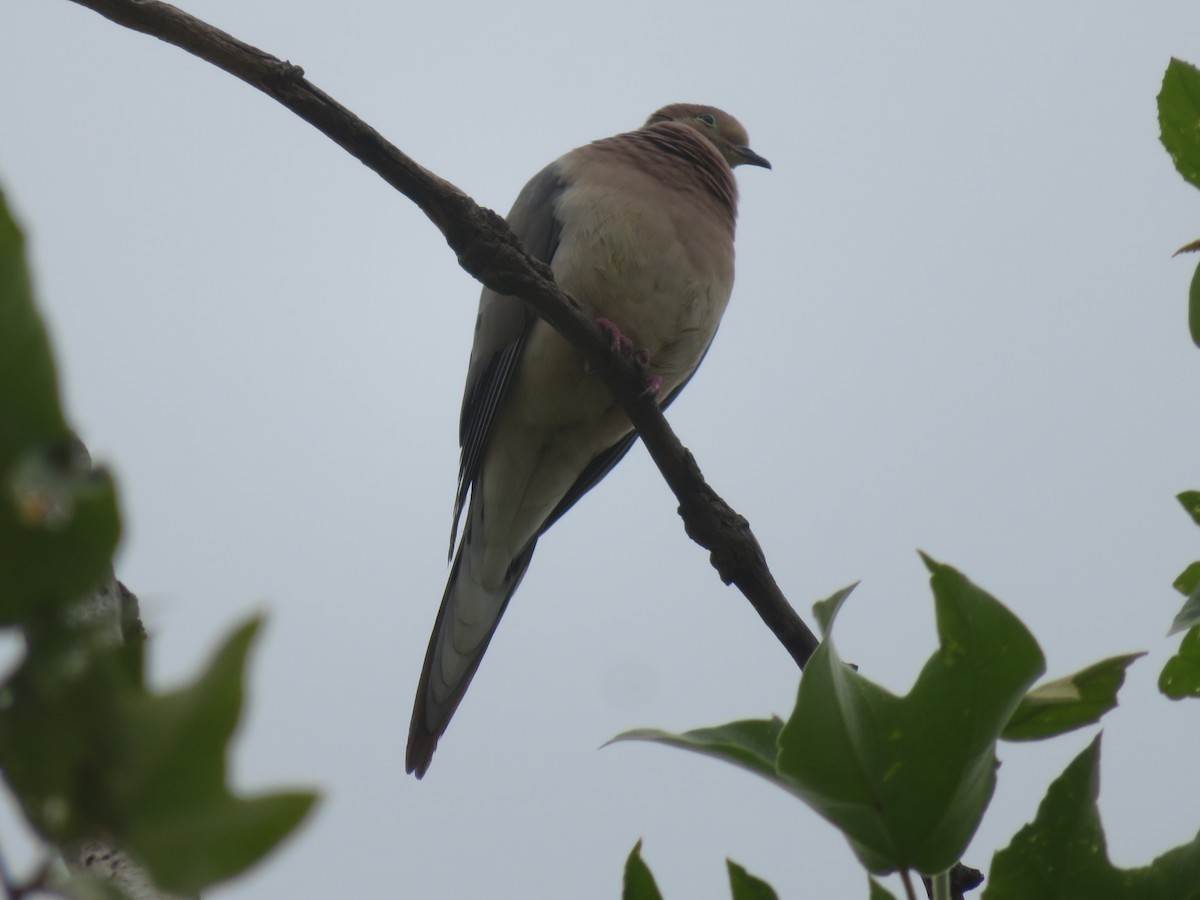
<point>638,228</point>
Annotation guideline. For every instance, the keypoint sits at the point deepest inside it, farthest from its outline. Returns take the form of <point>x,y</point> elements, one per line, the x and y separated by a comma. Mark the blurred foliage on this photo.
<point>85,746</point>
<point>1179,131</point>
<point>58,519</point>
<point>1180,676</point>
<point>1188,582</point>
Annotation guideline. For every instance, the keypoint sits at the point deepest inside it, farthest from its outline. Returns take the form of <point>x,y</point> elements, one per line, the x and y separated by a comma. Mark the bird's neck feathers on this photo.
<point>661,147</point>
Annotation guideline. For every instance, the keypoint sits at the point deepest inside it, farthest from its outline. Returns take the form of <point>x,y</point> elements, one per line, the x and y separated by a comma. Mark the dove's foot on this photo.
<point>618,342</point>
<point>622,345</point>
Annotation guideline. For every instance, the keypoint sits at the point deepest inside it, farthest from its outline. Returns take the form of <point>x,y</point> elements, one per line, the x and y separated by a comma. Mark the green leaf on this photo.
<point>1179,118</point>
<point>29,408</point>
<point>1181,675</point>
<point>178,739</point>
<point>58,725</point>
<point>750,743</point>
<point>1057,707</point>
<point>59,526</point>
<point>746,887</point>
<point>202,844</point>
<point>184,824</point>
<point>878,891</point>
<point>1179,131</point>
<point>907,779</point>
<point>1188,580</point>
<point>825,611</point>
<point>88,751</point>
<point>1190,501</point>
<point>1189,615</point>
<point>639,883</point>
<point>1062,854</point>
<point>1194,307</point>
<point>85,748</point>
<point>58,517</point>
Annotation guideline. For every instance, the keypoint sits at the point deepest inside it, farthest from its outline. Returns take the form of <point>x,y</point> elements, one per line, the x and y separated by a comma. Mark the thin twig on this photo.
<point>488,250</point>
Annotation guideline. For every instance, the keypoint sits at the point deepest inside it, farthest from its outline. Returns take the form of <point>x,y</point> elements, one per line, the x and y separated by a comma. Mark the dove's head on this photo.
<point>723,130</point>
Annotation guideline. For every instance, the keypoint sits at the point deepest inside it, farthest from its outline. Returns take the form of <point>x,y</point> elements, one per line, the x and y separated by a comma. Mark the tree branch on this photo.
<point>489,251</point>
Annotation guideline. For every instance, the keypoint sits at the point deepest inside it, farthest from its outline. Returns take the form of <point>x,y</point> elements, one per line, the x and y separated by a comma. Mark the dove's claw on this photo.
<point>619,343</point>
<point>653,386</point>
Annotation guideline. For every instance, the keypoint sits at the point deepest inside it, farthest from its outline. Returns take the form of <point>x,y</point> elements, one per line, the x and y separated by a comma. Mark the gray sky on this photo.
<point>956,326</point>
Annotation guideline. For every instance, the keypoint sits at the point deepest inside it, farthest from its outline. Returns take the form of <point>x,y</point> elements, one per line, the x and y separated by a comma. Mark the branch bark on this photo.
<point>488,250</point>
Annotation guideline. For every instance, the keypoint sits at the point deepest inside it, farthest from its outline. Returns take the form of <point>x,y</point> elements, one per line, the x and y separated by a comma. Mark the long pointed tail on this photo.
<point>465,623</point>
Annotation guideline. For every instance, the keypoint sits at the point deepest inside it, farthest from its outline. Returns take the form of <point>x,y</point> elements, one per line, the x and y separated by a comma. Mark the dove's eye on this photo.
<point>707,120</point>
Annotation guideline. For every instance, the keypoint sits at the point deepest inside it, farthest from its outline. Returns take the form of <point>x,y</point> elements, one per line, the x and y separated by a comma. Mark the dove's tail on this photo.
<point>465,624</point>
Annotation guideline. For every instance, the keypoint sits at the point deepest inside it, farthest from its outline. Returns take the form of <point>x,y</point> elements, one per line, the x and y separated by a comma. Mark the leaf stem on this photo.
<point>941,886</point>
<point>908,887</point>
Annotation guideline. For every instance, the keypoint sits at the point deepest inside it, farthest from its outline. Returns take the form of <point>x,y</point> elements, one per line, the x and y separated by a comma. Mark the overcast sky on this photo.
<point>956,326</point>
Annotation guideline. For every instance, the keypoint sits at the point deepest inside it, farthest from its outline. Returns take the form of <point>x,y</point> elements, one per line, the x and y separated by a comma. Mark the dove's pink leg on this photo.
<point>653,386</point>
<point>623,345</point>
<point>620,343</point>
